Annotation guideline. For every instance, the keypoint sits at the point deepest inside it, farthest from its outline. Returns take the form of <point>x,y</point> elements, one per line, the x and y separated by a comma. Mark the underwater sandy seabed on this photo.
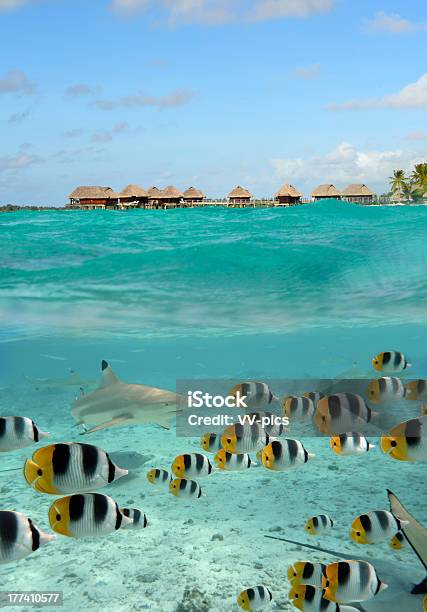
<point>197,556</point>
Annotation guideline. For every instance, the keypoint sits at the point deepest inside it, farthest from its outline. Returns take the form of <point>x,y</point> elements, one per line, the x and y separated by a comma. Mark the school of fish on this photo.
<point>74,471</point>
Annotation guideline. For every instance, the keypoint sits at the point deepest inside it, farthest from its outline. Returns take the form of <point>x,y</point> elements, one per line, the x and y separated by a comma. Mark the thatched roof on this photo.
<point>153,193</point>
<point>239,192</point>
<point>171,193</point>
<point>133,191</point>
<point>193,193</point>
<point>357,190</point>
<point>326,191</point>
<point>288,191</point>
<point>92,192</point>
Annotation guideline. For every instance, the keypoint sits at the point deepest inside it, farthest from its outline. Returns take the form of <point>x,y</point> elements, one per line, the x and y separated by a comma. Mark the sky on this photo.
<point>210,93</point>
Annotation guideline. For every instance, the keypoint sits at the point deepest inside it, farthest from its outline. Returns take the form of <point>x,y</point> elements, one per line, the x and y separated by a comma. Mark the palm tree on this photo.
<point>419,177</point>
<point>398,181</point>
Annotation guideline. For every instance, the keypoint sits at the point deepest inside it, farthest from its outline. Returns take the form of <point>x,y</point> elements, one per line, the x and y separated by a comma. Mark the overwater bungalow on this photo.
<point>93,196</point>
<point>325,191</point>
<point>153,195</point>
<point>287,196</point>
<point>358,193</point>
<point>170,196</point>
<point>239,197</point>
<point>133,196</point>
<point>193,196</point>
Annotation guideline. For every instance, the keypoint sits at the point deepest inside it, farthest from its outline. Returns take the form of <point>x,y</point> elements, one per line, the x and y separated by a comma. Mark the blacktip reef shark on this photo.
<point>400,596</point>
<point>72,380</point>
<point>117,403</point>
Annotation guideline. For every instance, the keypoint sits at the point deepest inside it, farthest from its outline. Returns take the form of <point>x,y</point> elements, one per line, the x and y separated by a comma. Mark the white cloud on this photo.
<point>393,24</point>
<point>18,162</point>
<point>216,12</point>
<point>277,9</point>
<point>345,164</point>
<point>129,8</point>
<point>74,133</point>
<point>10,5</point>
<point>412,96</point>
<point>173,99</point>
<point>80,89</point>
<point>107,135</point>
<point>18,117</point>
<point>417,135</point>
<point>16,81</point>
<point>307,73</point>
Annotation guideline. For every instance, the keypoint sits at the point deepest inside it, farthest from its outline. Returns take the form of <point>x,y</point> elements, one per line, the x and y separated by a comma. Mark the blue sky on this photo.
<point>211,93</point>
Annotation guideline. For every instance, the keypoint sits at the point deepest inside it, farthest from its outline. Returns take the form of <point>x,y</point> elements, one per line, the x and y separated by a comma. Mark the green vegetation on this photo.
<point>413,186</point>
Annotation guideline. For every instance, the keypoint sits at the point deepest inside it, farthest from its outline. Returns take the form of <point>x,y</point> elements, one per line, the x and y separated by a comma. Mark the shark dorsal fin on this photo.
<point>107,376</point>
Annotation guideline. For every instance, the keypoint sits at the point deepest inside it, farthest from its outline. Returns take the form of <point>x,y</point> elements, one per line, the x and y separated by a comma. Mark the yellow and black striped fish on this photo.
<point>257,394</point>
<point>211,442</point>
<point>138,518</point>
<point>306,572</point>
<point>244,438</point>
<point>69,468</point>
<point>254,598</point>
<point>351,581</point>
<point>19,536</point>
<point>385,389</point>
<point>184,488</point>
<point>159,477</point>
<point>297,408</point>
<point>191,465</point>
<point>271,423</point>
<point>374,527</point>
<point>281,455</point>
<point>350,443</point>
<point>18,432</point>
<point>390,362</point>
<point>342,412</point>
<point>398,541</point>
<point>315,396</point>
<point>416,390</point>
<point>407,441</point>
<point>86,515</point>
<point>308,598</point>
<point>230,462</point>
<point>317,524</point>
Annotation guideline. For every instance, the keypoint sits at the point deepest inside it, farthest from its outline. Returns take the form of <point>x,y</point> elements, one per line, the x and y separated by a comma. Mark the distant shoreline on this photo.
<point>254,204</point>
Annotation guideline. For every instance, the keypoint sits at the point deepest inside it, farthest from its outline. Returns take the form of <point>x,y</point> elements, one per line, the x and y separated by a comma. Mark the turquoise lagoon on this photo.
<point>306,292</point>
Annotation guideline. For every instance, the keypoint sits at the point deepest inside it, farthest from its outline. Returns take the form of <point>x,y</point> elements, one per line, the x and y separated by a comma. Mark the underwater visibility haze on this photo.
<point>154,297</point>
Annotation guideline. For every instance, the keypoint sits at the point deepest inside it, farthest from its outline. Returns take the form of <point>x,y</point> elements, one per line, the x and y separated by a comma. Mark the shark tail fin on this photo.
<point>414,532</point>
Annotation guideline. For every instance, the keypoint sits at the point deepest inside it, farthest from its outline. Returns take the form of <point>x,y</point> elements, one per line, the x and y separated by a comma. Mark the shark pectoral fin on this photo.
<point>163,420</point>
<point>163,424</point>
<point>107,375</point>
<point>121,420</point>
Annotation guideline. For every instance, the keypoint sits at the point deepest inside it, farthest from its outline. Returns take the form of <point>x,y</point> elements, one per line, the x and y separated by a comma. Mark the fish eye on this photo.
<point>58,517</point>
<point>335,443</point>
<point>39,472</point>
<point>229,440</point>
<point>358,533</point>
<point>393,443</point>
